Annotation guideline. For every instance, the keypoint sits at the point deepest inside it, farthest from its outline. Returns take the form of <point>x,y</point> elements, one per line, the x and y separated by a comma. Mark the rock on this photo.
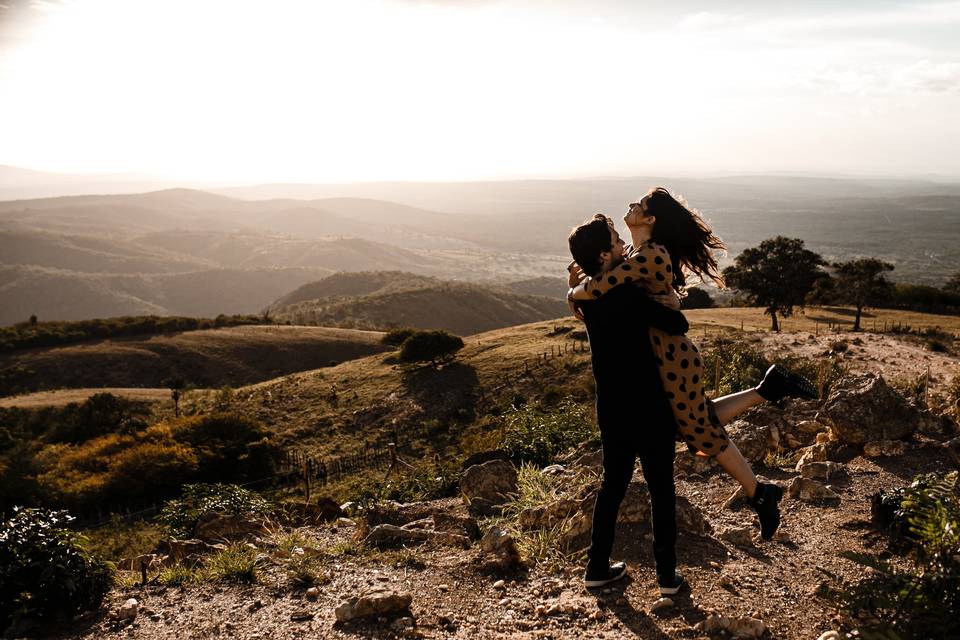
<point>499,584</point>
<point>325,510</point>
<point>554,470</point>
<point>486,487</point>
<point>377,601</point>
<point>737,627</point>
<point>346,522</point>
<point>738,536</point>
<point>500,550</point>
<point>863,408</point>
<point>688,464</point>
<point>484,456</point>
<point>953,448</point>
<point>387,536</point>
<point>567,603</point>
<point>830,635</point>
<point>548,515</point>
<point>884,449</point>
<point>255,605</point>
<point>821,471</point>
<point>178,551</point>
<point>811,490</point>
<point>312,593</point>
<point>217,526</point>
<point>128,610</point>
<point>935,424</point>
<point>661,603</point>
<point>592,460</point>
<point>403,624</point>
<point>754,441</point>
<point>440,517</point>
<point>150,560</point>
<point>809,428</point>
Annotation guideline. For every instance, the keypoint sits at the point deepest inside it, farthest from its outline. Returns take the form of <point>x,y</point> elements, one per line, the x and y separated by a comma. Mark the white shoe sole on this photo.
<point>593,584</point>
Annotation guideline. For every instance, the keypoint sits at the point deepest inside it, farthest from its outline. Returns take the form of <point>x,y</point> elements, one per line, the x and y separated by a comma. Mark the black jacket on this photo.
<point>627,377</point>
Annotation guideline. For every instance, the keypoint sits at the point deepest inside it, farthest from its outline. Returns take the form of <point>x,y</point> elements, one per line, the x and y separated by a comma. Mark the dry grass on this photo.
<point>808,319</point>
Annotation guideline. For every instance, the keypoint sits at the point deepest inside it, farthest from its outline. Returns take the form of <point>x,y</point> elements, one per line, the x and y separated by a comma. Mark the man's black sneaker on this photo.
<point>765,502</point>
<point>779,383</point>
<point>670,586</point>
<point>604,575</point>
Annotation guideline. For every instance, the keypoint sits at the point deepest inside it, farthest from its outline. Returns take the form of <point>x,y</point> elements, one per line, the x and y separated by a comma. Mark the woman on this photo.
<point>670,240</point>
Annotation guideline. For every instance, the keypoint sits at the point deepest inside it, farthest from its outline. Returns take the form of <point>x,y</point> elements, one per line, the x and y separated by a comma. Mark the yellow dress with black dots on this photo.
<point>679,360</point>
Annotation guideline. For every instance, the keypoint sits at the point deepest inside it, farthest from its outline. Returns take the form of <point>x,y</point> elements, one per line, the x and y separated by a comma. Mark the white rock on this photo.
<point>129,609</point>
<point>662,603</point>
<point>830,635</point>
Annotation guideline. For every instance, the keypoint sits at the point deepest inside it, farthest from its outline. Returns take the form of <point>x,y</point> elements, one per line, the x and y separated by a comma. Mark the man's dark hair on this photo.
<point>588,241</point>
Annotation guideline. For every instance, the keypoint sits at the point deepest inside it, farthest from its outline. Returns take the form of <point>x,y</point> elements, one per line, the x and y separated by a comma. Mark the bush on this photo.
<point>741,365</point>
<point>534,433</point>
<point>921,600</point>
<point>237,564</point>
<point>697,298</point>
<point>179,516</point>
<point>397,337</point>
<point>44,571</point>
<point>435,347</point>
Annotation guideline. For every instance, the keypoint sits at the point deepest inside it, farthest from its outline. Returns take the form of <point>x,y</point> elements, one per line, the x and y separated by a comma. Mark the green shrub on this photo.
<point>919,600</point>
<point>537,434</point>
<point>179,575</point>
<point>180,516</point>
<point>435,347</point>
<point>44,570</point>
<point>740,365</point>
<point>425,481</point>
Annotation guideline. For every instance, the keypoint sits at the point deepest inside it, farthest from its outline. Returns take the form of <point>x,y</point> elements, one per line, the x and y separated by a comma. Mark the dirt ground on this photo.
<point>777,581</point>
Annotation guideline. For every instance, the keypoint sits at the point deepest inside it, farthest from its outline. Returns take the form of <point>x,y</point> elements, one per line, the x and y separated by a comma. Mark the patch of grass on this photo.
<point>179,575</point>
<point>237,564</point>
<point>347,549</point>
<point>535,433</point>
<point>120,539</point>
<point>304,572</point>
<point>781,459</point>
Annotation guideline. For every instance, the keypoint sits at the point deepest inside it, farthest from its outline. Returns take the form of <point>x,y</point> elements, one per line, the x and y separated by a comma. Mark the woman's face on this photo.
<point>637,213</point>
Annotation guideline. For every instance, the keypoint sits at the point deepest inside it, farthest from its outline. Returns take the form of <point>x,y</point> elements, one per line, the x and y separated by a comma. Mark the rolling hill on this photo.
<point>382,300</point>
<point>231,356</point>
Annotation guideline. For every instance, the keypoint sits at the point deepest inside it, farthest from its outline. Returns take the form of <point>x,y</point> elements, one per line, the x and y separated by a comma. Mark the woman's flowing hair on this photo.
<point>686,236</point>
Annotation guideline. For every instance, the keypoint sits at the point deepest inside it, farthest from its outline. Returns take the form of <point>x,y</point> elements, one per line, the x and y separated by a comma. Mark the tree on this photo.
<point>953,284</point>
<point>697,299</point>
<point>435,347</point>
<point>862,283</point>
<point>777,275</point>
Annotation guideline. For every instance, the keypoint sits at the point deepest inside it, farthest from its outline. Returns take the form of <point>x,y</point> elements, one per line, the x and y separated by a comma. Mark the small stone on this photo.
<point>443,587</point>
<point>256,604</point>
<point>129,609</point>
<point>739,536</point>
<point>499,584</point>
<point>661,603</point>
<point>312,593</point>
<point>830,635</point>
<point>504,602</point>
<point>301,616</point>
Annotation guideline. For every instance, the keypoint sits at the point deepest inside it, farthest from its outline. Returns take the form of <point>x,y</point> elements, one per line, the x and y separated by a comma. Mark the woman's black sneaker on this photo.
<point>778,383</point>
<point>765,502</point>
<point>604,575</point>
<point>671,585</point>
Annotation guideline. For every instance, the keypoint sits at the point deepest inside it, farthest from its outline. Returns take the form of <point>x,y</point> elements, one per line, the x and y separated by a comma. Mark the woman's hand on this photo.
<point>576,274</point>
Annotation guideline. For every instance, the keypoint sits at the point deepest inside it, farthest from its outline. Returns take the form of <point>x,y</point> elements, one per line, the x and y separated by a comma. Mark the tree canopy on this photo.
<point>862,283</point>
<point>776,275</point>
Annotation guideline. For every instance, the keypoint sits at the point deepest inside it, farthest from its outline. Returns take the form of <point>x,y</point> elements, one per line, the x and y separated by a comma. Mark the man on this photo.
<point>631,425</point>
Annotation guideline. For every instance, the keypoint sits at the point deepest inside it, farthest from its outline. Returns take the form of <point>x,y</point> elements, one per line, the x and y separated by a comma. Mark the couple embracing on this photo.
<point>649,374</point>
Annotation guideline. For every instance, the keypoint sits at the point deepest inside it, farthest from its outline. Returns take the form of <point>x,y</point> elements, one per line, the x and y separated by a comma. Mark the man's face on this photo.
<point>614,256</point>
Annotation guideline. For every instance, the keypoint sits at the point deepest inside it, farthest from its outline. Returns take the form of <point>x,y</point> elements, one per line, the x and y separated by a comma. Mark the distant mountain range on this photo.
<point>382,300</point>
<point>185,251</point>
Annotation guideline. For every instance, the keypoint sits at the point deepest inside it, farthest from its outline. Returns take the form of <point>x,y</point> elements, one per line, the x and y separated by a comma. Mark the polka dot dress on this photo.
<point>681,366</point>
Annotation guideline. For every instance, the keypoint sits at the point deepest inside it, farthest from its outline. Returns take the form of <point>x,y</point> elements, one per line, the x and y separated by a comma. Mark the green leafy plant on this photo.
<point>535,433</point>
<point>179,516</point>
<point>45,571</point>
<point>922,599</point>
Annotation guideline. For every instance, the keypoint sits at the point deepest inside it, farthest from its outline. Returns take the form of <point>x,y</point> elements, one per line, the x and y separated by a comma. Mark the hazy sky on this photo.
<point>327,91</point>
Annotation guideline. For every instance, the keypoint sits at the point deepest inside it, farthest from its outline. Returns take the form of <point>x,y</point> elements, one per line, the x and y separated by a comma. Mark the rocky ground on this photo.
<point>424,572</point>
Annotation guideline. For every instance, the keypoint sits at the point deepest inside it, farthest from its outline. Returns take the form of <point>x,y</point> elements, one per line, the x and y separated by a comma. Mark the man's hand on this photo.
<point>576,274</point>
<point>575,309</point>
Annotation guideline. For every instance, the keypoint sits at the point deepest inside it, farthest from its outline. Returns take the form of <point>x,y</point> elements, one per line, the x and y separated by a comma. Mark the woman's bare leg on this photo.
<point>736,465</point>
<point>729,407</point>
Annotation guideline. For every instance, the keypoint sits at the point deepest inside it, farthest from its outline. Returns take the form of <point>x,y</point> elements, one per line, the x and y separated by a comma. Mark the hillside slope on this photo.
<point>231,356</point>
<point>397,299</point>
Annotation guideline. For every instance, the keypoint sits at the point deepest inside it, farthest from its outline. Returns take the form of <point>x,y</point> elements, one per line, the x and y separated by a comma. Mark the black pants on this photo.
<point>654,445</point>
